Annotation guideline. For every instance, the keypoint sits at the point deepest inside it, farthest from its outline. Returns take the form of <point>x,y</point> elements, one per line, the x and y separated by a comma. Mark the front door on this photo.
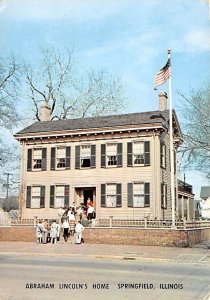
<point>83,194</point>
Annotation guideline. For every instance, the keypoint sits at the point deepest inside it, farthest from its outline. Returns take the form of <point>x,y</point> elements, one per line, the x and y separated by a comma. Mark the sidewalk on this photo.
<point>100,251</point>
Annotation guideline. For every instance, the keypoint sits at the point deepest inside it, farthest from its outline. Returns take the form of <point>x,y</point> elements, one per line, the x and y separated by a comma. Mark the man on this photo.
<point>78,230</point>
<point>65,229</point>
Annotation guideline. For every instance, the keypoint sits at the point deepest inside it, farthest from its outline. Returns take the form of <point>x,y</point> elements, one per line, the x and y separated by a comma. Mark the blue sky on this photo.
<point>129,38</point>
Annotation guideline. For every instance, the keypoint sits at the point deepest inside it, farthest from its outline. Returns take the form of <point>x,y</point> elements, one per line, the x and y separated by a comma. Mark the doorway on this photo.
<point>87,194</point>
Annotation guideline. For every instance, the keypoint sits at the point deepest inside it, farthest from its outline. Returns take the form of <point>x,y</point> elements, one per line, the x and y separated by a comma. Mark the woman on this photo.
<point>65,226</point>
<point>53,232</point>
<point>71,223</point>
<point>39,232</point>
<point>78,229</point>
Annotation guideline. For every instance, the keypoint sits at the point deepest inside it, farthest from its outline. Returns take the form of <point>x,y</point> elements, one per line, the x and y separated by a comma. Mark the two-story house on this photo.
<point>121,162</point>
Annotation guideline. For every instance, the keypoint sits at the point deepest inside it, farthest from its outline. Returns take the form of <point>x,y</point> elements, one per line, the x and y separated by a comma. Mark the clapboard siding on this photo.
<point>97,176</point>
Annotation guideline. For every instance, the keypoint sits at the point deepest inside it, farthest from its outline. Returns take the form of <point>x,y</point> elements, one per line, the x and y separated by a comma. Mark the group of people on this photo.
<point>51,233</point>
<point>81,212</point>
<point>66,224</point>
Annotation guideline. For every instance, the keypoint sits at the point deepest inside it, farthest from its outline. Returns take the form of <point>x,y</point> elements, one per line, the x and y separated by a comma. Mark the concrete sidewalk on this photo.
<point>123,252</point>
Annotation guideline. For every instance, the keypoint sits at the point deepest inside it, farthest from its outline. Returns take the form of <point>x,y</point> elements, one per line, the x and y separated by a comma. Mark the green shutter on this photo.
<point>66,196</point>
<point>119,155</point>
<point>44,159</point>
<point>52,196</point>
<point>29,160</point>
<point>93,156</point>
<point>68,157</point>
<point>52,161</point>
<point>77,157</point>
<point>103,156</point>
<point>119,194</point>
<point>162,195</point>
<point>130,154</point>
<point>130,194</point>
<point>147,194</point>
<point>28,197</point>
<point>42,196</point>
<point>103,195</point>
<point>147,153</point>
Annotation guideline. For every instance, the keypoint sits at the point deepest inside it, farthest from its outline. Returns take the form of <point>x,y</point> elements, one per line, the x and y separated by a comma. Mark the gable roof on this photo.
<point>205,192</point>
<point>152,117</point>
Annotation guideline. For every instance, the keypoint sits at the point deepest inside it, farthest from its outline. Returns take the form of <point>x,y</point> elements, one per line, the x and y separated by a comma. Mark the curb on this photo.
<point>106,257</point>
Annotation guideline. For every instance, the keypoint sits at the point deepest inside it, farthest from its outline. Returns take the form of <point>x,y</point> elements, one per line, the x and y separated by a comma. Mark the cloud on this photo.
<point>198,41</point>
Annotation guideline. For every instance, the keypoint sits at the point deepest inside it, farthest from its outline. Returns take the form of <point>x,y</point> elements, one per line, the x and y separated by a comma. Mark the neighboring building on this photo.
<point>205,202</point>
<point>185,205</point>
<point>121,162</point>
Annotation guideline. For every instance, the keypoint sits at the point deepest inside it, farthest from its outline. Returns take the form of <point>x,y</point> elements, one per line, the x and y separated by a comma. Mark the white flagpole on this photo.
<point>171,148</point>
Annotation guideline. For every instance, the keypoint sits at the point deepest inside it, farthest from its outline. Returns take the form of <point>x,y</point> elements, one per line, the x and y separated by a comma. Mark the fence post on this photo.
<point>145,222</point>
<point>35,221</point>
<point>110,221</point>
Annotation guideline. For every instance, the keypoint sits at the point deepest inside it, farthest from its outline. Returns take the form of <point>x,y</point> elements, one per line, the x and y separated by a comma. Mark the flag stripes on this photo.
<point>163,74</point>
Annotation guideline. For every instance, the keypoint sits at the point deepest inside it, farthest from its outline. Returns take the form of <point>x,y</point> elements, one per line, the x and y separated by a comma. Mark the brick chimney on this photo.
<point>162,101</point>
<point>45,112</point>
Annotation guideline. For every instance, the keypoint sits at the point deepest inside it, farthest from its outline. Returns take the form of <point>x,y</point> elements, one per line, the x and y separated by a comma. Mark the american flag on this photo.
<point>163,74</point>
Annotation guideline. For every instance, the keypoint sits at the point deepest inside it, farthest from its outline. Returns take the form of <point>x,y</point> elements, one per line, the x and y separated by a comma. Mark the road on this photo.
<point>49,277</point>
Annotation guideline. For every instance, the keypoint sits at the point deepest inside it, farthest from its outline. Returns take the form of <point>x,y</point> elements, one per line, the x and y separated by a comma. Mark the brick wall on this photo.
<point>120,236</point>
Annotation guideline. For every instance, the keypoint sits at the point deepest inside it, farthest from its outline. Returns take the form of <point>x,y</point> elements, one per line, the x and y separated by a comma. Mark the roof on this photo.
<point>205,192</point>
<point>152,117</point>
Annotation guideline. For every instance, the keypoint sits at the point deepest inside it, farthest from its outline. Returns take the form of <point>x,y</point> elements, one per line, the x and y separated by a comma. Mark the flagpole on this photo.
<point>171,147</point>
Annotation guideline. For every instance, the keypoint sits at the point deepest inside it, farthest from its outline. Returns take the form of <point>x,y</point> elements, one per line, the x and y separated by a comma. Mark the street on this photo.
<point>49,277</point>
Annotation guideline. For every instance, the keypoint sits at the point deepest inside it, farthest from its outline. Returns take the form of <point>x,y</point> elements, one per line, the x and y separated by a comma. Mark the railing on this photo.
<point>120,222</point>
<point>146,223</point>
<point>184,187</point>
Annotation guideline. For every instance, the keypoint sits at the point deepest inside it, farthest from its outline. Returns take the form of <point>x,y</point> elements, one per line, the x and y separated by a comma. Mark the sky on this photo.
<point>128,38</point>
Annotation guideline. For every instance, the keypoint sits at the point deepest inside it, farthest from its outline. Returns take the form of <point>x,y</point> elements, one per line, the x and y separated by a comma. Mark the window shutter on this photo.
<point>53,154</point>
<point>103,195</point>
<point>166,192</point>
<point>174,162</point>
<point>130,154</point>
<point>93,156</point>
<point>68,157</point>
<point>161,154</point>
<point>52,196</point>
<point>165,155</point>
<point>147,194</point>
<point>130,194</point>
<point>103,155</point>
<point>66,197</point>
<point>28,197</point>
<point>77,157</point>
<point>119,155</point>
<point>29,160</point>
<point>119,195</point>
<point>42,196</point>
<point>162,195</point>
<point>147,153</point>
<point>44,159</point>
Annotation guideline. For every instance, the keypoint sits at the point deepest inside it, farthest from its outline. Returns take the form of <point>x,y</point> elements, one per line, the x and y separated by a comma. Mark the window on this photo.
<point>163,195</point>
<point>138,153</point>
<point>139,194</point>
<point>111,195</point>
<point>37,159</point>
<point>35,197</point>
<point>60,158</point>
<point>59,196</point>
<point>85,156</point>
<point>111,155</point>
<point>162,155</point>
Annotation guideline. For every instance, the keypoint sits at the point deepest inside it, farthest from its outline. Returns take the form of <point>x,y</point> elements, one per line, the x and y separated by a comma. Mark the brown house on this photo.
<point>121,162</point>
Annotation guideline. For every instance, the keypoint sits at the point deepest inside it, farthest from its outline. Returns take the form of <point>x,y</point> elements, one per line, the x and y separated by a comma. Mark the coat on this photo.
<point>53,230</point>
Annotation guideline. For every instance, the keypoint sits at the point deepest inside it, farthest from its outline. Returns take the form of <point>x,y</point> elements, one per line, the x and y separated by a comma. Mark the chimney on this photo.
<point>162,101</point>
<point>45,112</point>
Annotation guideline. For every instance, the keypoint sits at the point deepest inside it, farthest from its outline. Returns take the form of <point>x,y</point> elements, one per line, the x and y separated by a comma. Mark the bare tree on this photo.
<point>196,125</point>
<point>9,117</point>
<point>9,85</point>
<point>55,81</point>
